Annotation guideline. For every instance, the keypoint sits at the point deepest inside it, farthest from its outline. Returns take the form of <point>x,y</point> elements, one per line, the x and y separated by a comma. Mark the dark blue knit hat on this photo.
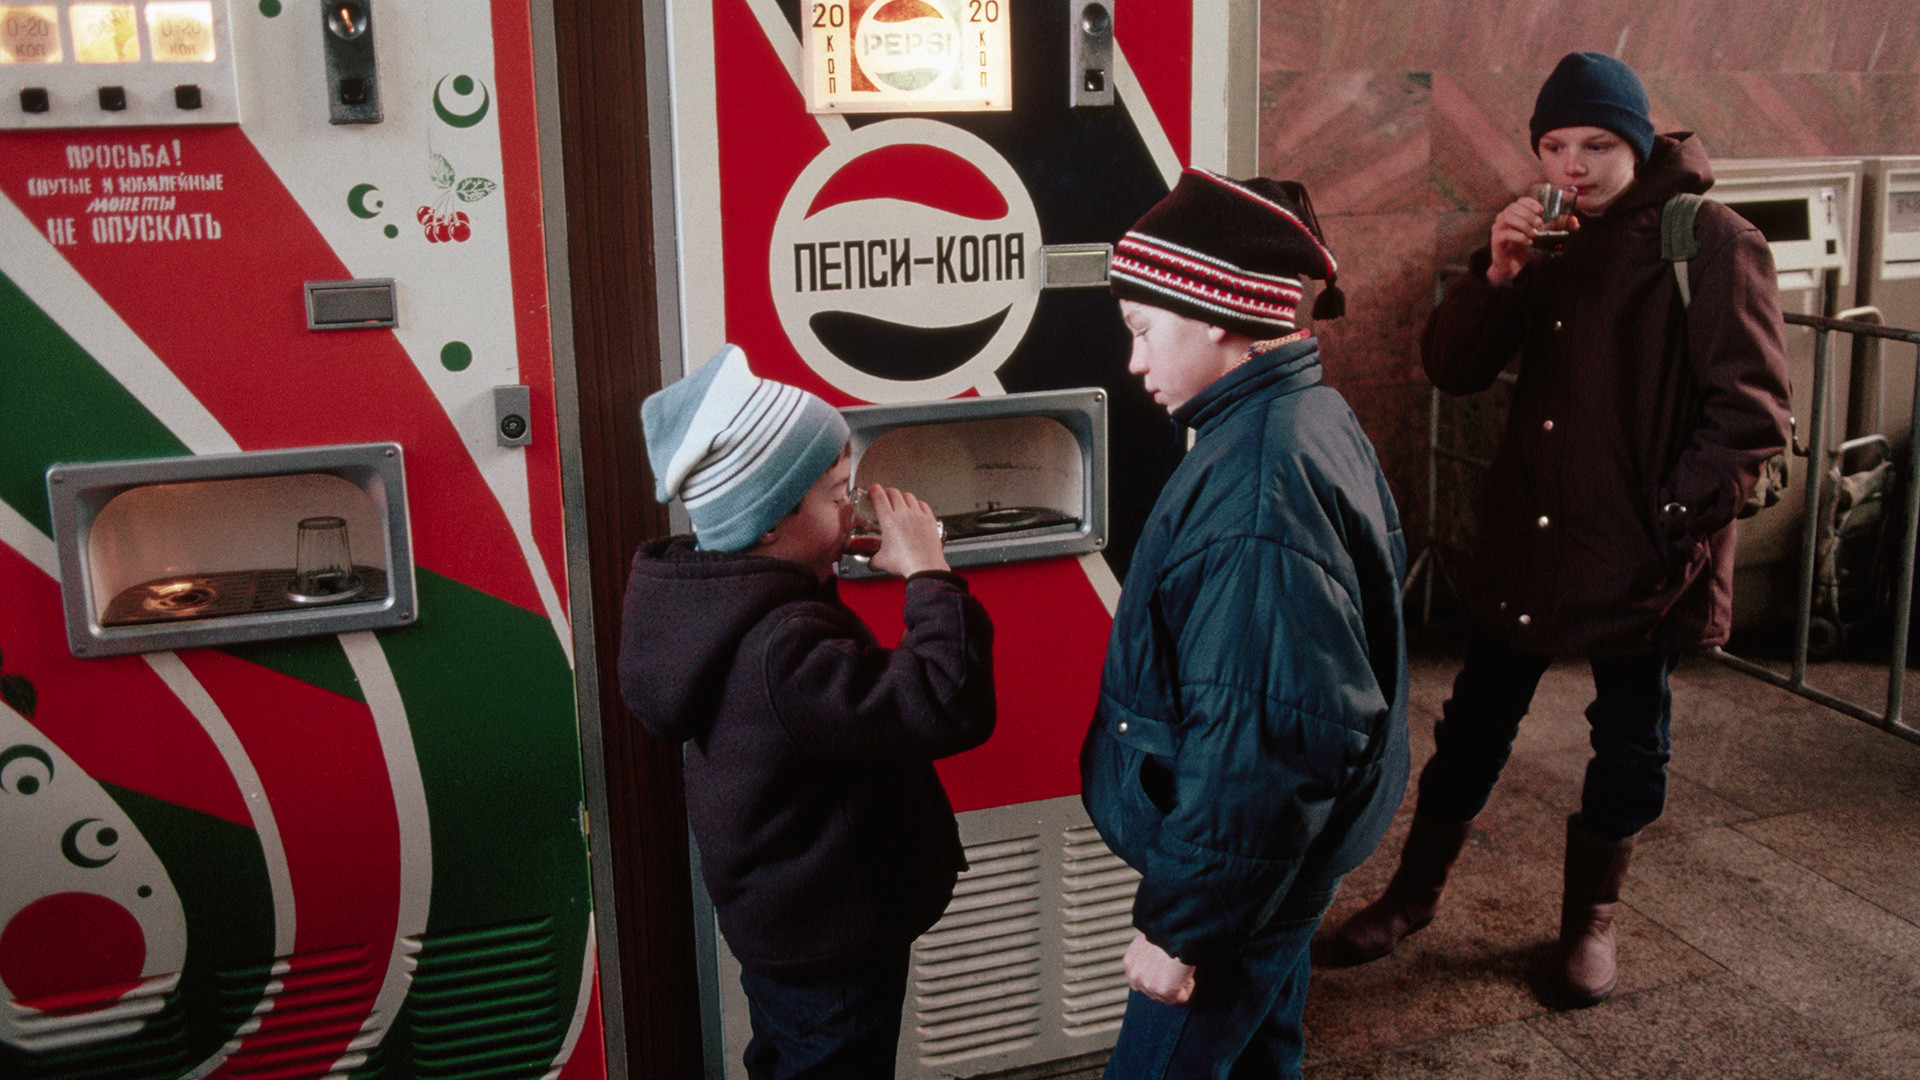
<point>1594,90</point>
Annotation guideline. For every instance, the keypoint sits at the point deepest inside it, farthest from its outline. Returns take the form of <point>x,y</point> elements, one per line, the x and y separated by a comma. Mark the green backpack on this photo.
<point>1677,245</point>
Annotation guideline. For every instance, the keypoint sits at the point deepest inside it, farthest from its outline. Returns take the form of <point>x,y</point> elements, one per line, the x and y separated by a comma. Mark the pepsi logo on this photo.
<point>908,45</point>
<point>905,261</point>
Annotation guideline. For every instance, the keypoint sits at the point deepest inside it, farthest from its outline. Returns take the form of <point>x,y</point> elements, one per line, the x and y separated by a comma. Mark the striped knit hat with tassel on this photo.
<point>1229,253</point>
<point>740,451</point>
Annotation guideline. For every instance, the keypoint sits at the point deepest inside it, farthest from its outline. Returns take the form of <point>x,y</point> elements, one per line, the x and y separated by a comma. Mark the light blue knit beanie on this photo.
<point>740,451</point>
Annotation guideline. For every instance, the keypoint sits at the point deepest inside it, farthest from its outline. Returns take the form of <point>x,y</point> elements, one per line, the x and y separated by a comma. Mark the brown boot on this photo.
<point>1411,897</point>
<point>1595,869</point>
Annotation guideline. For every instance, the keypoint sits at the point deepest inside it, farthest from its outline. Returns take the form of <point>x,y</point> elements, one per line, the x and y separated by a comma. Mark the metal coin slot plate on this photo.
<point>365,304</point>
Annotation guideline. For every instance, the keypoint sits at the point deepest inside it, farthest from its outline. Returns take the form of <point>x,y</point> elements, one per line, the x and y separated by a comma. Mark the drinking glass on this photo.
<point>1556,213</point>
<point>323,561</point>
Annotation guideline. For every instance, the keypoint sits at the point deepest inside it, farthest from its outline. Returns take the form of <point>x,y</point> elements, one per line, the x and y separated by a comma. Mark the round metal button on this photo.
<point>1542,522</point>
<point>1525,620</point>
<point>1546,425</point>
<point>1557,324</point>
<point>1121,727</point>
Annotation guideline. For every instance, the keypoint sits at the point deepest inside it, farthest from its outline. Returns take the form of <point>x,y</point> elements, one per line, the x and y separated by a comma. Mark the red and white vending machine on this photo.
<point>290,774</point>
<point>905,206</point>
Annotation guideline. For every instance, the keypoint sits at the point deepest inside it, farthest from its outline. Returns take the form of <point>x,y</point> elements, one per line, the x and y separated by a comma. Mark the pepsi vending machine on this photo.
<point>905,206</point>
<point>290,774</point>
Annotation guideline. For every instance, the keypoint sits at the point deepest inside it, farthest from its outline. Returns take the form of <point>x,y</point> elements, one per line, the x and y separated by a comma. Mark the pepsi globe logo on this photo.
<point>905,261</point>
<point>909,44</point>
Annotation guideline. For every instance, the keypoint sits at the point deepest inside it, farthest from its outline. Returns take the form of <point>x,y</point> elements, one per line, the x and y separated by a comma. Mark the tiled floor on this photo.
<point>1772,916</point>
<point>1771,923</point>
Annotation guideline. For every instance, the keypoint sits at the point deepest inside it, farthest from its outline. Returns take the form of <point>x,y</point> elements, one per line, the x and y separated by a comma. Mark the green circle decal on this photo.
<point>462,85</point>
<point>269,8</point>
<point>456,355</point>
<point>392,231</point>
<point>357,201</point>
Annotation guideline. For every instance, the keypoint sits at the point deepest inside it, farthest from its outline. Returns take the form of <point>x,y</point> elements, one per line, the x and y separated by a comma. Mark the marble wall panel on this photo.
<point>1357,139</point>
<point>1386,271</point>
<point>1673,35</point>
<point>1290,35</point>
<point>1480,152</point>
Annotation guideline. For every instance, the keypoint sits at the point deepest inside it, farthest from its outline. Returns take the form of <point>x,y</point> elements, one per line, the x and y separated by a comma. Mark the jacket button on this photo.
<point>1525,620</point>
<point>1557,324</point>
<point>1542,522</point>
<point>1546,425</point>
<point>1121,727</point>
<point>1503,605</point>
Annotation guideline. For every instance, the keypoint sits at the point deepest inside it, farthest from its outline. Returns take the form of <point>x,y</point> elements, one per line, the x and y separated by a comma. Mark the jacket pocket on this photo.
<point>1148,747</point>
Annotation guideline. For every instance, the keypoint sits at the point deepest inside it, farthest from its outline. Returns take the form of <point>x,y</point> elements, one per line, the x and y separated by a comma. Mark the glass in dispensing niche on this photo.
<point>181,31</point>
<point>105,33</point>
<point>30,34</point>
<point>323,570</point>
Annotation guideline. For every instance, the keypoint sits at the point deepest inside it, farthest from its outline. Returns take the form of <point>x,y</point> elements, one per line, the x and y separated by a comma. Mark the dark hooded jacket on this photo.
<point>824,832</point>
<point>1638,425</point>
<point>1250,741</point>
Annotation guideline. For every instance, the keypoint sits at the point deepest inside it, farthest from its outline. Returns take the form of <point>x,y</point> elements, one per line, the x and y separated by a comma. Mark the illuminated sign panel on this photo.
<point>907,56</point>
<point>105,34</point>
<point>30,34</point>
<point>181,31</point>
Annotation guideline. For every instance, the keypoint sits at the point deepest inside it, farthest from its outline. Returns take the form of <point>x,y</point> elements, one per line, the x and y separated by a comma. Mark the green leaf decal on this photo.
<point>441,172</point>
<point>19,693</point>
<point>474,188</point>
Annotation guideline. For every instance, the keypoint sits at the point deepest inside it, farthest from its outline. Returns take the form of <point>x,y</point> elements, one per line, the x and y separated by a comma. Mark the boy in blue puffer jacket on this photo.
<point>1250,745</point>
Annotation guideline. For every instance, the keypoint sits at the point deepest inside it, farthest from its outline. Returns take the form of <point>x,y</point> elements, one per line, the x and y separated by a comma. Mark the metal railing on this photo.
<point>1819,451</point>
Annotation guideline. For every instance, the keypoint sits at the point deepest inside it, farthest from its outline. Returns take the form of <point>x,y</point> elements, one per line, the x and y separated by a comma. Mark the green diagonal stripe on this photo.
<point>57,404</point>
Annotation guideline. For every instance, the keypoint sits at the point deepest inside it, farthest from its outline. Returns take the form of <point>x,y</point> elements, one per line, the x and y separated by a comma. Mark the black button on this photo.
<point>186,96</point>
<point>34,99</point>
<point>353,91</point>
<point>113,98</point>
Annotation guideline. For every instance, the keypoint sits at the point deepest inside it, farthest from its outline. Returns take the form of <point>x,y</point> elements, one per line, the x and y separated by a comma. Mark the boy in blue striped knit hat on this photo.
<point>826,840</point>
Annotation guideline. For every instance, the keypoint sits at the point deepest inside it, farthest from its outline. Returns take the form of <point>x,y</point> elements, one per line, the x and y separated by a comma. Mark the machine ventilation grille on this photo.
<point>482,1003</point>
<point>308,1019</point>
<point>1097,890</point>
<point>96,1044</point>
<point>976,974</point>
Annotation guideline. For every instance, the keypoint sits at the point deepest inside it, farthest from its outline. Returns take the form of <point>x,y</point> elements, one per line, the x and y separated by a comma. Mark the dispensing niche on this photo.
<point>174,553</point>
<point>1015,477</point>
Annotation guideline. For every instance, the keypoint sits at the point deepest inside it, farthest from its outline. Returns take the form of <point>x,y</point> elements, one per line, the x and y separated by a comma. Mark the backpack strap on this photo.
<point>1677,242</point>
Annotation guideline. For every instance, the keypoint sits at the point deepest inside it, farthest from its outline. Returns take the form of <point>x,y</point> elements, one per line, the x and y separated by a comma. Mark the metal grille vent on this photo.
<point>483,1003</point>
<point>96,1045</point>
<point>308,1018</point>
<point>976,974</point>
<point>1096,925</point>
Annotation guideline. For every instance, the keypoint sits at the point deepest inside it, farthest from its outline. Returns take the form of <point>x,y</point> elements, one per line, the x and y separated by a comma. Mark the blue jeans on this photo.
<point>1243,1020</point>
<point>843,1026</point>
<point>1626,782</point>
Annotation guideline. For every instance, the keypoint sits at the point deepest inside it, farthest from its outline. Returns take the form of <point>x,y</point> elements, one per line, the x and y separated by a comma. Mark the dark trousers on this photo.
<point>1626,784</point>
<point>1243,1020</point>
<point>843,1026</point>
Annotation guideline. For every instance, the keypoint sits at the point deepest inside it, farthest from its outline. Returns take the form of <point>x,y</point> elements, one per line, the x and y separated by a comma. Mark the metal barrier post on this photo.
<point>1903,587</point>
<point>1816,474</point>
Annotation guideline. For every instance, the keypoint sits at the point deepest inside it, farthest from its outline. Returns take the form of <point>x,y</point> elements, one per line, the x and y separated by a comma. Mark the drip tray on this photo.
<point>239,592</point>
<point>997,521</point>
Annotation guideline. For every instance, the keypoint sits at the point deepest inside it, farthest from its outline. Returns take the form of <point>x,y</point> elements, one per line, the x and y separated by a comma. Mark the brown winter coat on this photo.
<point>1627,402</point>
